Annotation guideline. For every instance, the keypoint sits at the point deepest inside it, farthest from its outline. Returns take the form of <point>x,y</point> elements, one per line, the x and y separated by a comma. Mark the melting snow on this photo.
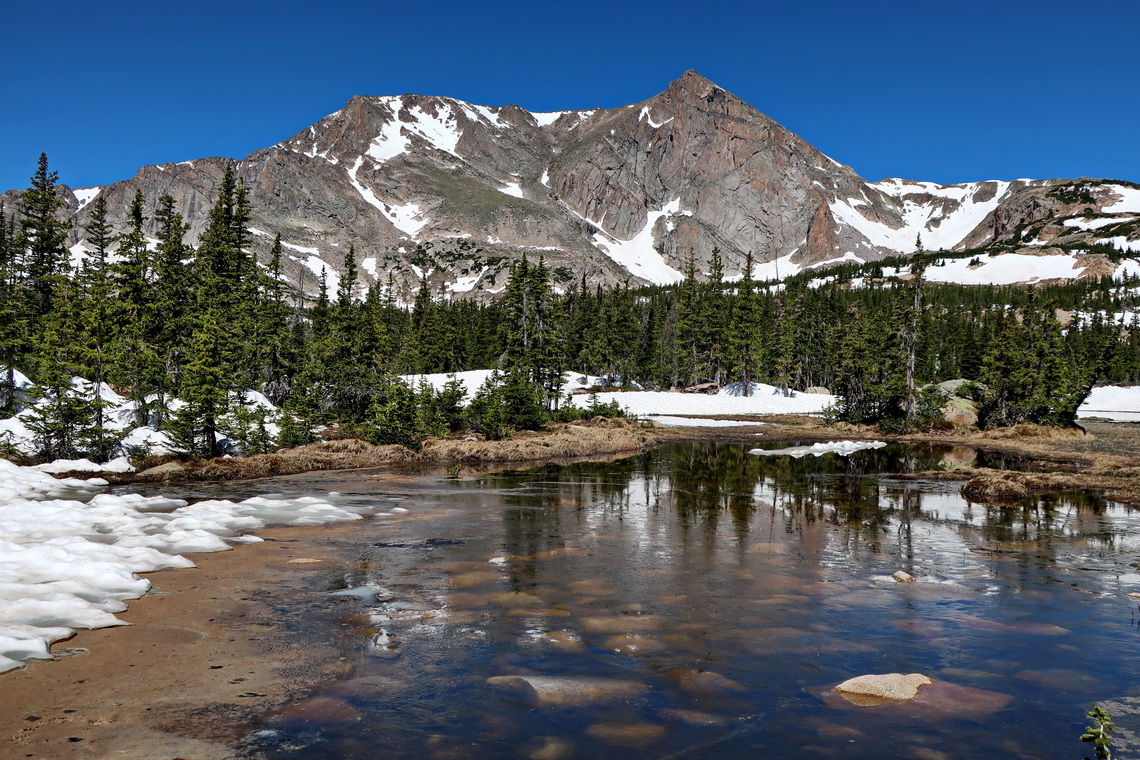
<point>842,448</point>
<point>1005,269</point>
<point>1129,200</point>
<point>86,194</point>
<point>1096,224</point>
<point>465,284</point>
<point>407,218</point>
<point>545,119</point>
<point>1122,243</point>
<point>300,248</point>
<point>649,118</point>
<point>1119,403</point>
<point>69,554</point>
<point>512,188</point>
<point>939,229</point>
<point>638,254</point>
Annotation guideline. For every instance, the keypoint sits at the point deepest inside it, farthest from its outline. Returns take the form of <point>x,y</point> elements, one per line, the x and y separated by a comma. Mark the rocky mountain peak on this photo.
<point>430,187</point>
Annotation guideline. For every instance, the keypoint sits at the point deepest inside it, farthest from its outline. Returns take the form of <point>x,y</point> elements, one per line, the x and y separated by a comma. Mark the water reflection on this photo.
<point>696,601</point>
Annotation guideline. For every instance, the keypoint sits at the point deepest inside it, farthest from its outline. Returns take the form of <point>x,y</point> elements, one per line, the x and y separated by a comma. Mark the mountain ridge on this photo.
<point>434,187</point>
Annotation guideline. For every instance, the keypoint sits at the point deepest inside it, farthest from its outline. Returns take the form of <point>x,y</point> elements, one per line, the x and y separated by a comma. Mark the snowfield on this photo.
<point>1114,402</point>
<point>70,553</point>
<point>765,399</point>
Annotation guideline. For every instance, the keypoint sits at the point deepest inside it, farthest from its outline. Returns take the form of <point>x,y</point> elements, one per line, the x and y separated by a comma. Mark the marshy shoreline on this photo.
<point>215,649</point>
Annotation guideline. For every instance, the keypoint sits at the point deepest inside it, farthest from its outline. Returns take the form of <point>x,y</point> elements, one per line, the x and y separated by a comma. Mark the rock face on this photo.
<point>438,188</point>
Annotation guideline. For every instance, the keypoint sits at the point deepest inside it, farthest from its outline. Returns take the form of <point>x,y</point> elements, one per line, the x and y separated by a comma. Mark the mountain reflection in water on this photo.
<point>697,601</point>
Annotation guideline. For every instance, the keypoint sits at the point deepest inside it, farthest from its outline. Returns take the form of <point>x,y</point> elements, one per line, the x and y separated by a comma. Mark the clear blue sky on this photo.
<point>943,91</point>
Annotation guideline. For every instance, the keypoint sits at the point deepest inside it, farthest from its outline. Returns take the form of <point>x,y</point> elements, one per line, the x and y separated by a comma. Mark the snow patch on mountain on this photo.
<point>546,118</point>
<point>941,223</point>
<point>1005,269</point>
<point>1096,224</point>
<point>407,218</point>
<point>638,254</point>
<point>513,189</point>
<point>1122,243</point>
<point>1129,202</point>
<point>85,195</point>
<point>646,116</point>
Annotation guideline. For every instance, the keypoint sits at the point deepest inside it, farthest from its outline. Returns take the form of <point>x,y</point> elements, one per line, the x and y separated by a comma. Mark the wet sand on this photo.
<point>203,657</point>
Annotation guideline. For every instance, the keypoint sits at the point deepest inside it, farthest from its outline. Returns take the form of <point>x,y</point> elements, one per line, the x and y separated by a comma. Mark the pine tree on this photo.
<point>43,237</point>
<point>136,362</point>
<point>173,294</point>
<point>14,311</point>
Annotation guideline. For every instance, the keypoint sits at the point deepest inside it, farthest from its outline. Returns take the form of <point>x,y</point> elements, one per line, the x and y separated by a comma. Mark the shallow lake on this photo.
<point>698,601</point>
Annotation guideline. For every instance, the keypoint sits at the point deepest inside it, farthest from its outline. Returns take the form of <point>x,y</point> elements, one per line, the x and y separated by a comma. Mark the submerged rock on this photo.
<point>626,734</point>
<point>902,576</point>
<point>892,686</point>
<point>552,748</point>
<point>324,710</point>
<point>704,681</point>
<point>569,691</point>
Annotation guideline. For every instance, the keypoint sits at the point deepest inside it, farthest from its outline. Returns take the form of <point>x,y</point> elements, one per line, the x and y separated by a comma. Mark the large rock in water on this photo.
<point>894,686</point>
<point>914,695</point>
<point>569,691</point>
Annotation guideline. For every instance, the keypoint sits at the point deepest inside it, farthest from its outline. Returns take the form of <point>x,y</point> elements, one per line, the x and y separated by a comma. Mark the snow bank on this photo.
<point>664,419</point>
<point>122,464</point>
<point>1115,402</point>
<point>120,415</point>
<point>1005,269</point>
<point>765,399</point>
<point>69,554</point>
<point>473,379</point>
<point>842,448</point>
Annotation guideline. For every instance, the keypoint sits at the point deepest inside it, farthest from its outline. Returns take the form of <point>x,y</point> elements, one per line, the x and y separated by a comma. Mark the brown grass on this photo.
<point>994,488</point>
<point>597,437</point>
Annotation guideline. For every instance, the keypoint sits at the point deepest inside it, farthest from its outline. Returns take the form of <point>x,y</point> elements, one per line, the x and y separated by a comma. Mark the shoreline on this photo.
<point>210,653</point>
<point>203,657</point>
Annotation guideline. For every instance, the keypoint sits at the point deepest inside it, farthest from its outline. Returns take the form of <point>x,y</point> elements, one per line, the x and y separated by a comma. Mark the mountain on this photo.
<point>435,187</point>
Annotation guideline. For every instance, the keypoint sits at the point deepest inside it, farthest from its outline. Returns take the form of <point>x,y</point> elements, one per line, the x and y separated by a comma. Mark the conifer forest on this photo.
<point>165,321</point>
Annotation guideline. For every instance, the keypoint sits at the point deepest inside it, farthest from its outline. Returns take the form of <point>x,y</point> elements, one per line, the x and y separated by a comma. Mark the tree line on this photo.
<point>183,330</point>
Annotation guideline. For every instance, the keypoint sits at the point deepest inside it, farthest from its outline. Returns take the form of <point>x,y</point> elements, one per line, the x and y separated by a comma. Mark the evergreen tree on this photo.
<point>43,237</point>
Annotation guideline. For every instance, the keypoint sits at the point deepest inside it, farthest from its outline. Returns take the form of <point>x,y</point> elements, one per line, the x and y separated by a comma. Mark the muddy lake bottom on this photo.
<point>698,601</point>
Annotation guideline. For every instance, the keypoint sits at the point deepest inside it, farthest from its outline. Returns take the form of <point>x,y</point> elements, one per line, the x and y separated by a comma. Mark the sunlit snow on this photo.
<point>1005,269</point>
<point>939,229</point>
<point>1129,200</point>
<point>85,195</point>
<point>406,218</point>
<point>638,254</point>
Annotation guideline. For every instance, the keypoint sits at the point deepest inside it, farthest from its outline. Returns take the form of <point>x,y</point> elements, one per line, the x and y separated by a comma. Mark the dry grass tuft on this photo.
<point>1029,430</point>
<point>994,489</point>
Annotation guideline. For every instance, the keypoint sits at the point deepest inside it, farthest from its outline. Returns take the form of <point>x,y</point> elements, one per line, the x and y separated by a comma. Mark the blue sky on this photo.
<point>941,91</point>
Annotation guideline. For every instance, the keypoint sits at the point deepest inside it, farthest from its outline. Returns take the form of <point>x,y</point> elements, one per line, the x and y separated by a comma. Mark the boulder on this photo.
<point>569,691</point>
<point>886,686</point>
<point>162,471</point>
<point>951,387</point>
<point>817,390</point>
<point>710,388</point>
<point>960,411</point>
